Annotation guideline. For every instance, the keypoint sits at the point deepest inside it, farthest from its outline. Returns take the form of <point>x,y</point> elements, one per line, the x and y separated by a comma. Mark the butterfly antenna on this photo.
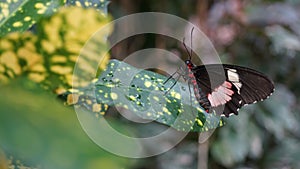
<point>192,43</point>
<point>186,49</point>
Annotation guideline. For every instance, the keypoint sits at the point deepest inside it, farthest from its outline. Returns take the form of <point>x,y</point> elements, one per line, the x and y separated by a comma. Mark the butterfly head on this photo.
<point>189,64</point>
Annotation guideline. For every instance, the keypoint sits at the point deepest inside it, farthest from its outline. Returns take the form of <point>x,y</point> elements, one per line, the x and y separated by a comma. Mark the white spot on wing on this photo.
<point>233,77</point>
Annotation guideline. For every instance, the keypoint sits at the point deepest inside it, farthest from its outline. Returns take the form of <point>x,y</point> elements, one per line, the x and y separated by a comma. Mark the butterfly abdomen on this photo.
<point>199,94</point>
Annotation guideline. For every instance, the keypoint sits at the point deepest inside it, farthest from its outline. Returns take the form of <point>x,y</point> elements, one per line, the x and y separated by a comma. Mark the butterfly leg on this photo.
<point>173,85</point>
<point>171,76</point>
<point>181,73</point>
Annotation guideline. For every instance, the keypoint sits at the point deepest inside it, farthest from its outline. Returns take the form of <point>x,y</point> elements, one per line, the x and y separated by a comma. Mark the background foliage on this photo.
<point>260,34</point>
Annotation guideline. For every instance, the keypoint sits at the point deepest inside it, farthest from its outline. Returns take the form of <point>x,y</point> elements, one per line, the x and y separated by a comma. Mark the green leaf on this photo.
<point>144,93</point>
<point>62,39</point>
<point>19,15</point>
<point>49,57</point>
<point>38,131</point>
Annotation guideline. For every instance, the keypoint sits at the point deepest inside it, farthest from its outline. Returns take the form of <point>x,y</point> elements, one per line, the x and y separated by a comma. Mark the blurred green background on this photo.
<point>38,131</point>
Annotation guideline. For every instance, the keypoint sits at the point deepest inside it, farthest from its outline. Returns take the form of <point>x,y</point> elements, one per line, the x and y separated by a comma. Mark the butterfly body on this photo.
<point>228,87</point>
<point>200,96</point>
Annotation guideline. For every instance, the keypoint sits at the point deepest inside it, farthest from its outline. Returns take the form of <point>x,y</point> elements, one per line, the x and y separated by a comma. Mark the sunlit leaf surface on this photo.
<point>49,57</point>
<point>19,15</point>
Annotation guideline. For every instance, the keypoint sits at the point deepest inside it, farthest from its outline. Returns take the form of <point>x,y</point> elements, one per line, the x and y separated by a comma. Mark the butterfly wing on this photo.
<point>232,86</point>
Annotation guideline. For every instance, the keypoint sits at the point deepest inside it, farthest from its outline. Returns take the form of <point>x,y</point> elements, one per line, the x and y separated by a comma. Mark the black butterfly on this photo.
<point>227,86</point>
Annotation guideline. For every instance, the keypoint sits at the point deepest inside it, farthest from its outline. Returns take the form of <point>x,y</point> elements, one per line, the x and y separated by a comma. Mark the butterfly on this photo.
<point>231,86</point>
<point>227,87</point>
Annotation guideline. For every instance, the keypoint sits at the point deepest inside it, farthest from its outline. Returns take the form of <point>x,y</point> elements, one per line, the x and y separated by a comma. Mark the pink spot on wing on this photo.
<point>221,95</point>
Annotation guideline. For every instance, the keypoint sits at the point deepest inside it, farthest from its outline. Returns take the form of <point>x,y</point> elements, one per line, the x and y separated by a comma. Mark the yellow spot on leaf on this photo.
<point>199,122</point>
<point>59,59</point>
<point>9,59</point>
<point>72,46</point>
<point>39,5</point>
<point>42,8</point>
<point>30,45</point>
<point>17,24</point>
<point>114,96</point>
<point>177,96</point>
<point>77,3</point>
<point>131,97</point>
<point>31,57</point>
<point>61,69</point>
<point>38,68</point>
<point>72,99</point>
<point>48,46</point>
<point>166,111</point>
<point>105,95</point>
<point>148,84</point>
<point>69,80</point>
<point>156,98</point>
<point>89,102</point>
<point>59,91</point>
<point>36,77</point>
<point>73,58</point>
<point>200,110</point>
<point>27,18</point>
<point>53,29</point>
<point>5,44</point>
<point>96,107</point>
